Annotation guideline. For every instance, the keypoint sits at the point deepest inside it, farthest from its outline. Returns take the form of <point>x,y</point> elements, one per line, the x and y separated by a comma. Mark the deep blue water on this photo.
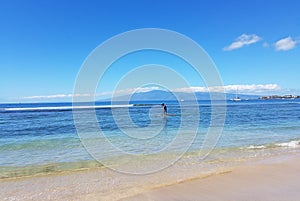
<point>47,134</point>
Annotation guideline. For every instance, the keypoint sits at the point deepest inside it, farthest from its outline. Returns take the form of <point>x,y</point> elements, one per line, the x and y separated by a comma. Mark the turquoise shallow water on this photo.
<point>41,138</point>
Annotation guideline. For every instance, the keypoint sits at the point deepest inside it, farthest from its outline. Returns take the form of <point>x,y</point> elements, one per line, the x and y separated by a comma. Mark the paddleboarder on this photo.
<point>165,108</point>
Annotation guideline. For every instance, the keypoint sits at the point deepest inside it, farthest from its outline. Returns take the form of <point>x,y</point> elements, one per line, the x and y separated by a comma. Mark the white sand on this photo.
<point>276,179</point>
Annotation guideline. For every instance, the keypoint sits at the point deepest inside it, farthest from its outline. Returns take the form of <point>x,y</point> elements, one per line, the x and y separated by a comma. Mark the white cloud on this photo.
<point>241,41</point>
<point>251,88</point>
<point>115,93</point>
<point>57,96</point>
<point>129,91</point>
<point>285,44</point>
<point>191,89</point>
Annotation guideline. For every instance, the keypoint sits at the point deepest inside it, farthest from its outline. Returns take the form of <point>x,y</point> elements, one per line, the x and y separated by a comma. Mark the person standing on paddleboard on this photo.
<point>165,108</point>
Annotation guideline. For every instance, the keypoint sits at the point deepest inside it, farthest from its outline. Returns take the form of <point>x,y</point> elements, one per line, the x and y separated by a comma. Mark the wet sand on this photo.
<point>274,178</point>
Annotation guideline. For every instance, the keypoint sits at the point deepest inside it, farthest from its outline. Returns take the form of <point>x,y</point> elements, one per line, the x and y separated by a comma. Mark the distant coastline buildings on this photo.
<point>279,97</point>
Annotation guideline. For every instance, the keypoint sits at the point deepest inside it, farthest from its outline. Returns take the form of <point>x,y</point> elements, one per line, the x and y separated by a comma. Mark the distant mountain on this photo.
<point>160,95</point>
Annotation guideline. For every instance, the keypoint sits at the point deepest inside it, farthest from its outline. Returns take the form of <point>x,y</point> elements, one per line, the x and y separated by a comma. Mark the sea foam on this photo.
<point>292,144</point>
<point>256,147</point>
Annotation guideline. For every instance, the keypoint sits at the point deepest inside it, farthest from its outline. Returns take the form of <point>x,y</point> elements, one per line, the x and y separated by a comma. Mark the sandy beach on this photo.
<point>273,178</point>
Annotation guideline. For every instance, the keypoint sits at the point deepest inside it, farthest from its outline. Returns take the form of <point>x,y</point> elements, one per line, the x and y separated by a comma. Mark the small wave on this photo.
<point>292,144</point>
<point>256,147</point>
<point>65,107</point>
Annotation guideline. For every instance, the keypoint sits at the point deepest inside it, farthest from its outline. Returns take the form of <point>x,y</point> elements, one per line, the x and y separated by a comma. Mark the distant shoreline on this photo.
<point>292,97</point>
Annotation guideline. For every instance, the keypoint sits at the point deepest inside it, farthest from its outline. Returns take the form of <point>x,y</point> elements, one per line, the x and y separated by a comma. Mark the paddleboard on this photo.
<point>169,114</point>
<point>164,115</point>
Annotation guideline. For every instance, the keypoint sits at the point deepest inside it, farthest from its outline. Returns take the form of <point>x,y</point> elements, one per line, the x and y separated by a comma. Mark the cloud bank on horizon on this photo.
<point>248,88</point>
<point>254,89</point>
<point>283,44</point>
<point>102,94</point>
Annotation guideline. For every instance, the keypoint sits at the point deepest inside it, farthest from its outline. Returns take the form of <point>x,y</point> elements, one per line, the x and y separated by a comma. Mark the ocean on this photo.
<point>42,138</point>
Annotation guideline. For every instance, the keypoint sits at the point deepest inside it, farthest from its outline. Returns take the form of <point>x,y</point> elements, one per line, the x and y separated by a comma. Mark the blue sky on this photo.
<point>254,44</point>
